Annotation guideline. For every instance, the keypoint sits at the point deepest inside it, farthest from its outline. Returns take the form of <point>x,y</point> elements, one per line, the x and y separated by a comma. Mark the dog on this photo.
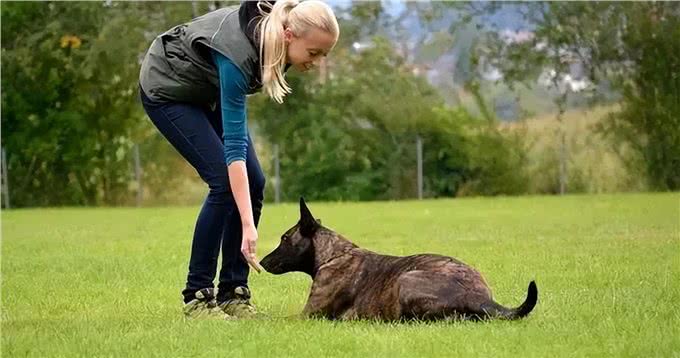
<point>353,283</point>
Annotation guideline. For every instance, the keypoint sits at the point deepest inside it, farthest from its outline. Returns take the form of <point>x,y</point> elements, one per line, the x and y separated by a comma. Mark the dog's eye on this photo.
<point>284,237</point>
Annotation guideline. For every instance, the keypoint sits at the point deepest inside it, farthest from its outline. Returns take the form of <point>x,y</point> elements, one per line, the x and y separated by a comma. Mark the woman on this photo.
<point>193,84</point>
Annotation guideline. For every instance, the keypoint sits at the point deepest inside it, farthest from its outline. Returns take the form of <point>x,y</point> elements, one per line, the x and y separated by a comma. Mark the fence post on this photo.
<point>563,163</point>
<point>194,9</point>
<point>138,176</point>
<point>277,177</point>
<point>5,181</point>
<point>419,154</point>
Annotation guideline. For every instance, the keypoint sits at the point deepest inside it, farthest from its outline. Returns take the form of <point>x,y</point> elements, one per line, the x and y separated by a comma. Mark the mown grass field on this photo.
<point>106,282</point>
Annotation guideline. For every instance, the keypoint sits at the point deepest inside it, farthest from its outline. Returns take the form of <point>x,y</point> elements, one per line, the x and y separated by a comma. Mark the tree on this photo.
<point>71,113</point>
<point>70,108</point>
<point>353,137</point>
<point>635,47</point>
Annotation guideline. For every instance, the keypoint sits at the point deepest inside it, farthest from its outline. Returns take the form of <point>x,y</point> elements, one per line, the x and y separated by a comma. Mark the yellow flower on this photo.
<point>64,41</point>
<point>75,42</point>
<point>70,41</point>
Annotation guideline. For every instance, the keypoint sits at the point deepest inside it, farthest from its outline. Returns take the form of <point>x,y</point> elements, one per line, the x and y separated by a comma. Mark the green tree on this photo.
<point>71,114</point>
<point>70,108</point>
<point>353,136</point>
<point>634,47</point>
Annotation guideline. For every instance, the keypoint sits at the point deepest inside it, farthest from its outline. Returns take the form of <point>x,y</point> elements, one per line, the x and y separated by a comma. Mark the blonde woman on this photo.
<point>193,84</point>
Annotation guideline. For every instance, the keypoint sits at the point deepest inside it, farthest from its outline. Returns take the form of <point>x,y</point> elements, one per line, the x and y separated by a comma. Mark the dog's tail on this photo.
<point>494,310</point>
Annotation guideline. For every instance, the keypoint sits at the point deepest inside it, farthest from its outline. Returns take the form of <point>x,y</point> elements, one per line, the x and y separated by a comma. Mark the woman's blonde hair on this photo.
<point>299,17</point>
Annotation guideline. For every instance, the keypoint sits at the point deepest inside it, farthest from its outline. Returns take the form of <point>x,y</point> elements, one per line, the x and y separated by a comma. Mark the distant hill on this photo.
<point>440,50</point>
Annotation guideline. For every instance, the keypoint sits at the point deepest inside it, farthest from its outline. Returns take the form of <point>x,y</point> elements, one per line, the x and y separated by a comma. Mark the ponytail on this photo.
<point>273,48</point>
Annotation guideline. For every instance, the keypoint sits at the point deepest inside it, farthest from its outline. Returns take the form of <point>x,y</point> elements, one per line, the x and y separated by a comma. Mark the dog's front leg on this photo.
<point>316,306</point>
<point>327,299</point>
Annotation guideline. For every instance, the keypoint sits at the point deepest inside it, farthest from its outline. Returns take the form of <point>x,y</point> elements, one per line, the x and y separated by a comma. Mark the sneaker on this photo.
<point>204,306</point>
<point>238,304</point>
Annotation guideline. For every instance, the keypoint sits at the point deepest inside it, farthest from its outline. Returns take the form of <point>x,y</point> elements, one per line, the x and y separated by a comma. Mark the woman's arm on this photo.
<point>233,89</point>
<point>238,179</point>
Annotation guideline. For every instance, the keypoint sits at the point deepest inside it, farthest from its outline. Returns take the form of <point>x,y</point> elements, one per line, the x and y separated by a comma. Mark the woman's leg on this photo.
<point>189,130</point>
<point>234,271</point>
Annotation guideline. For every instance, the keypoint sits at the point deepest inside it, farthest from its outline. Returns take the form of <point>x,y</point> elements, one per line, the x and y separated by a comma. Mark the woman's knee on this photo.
<point>220,192</point>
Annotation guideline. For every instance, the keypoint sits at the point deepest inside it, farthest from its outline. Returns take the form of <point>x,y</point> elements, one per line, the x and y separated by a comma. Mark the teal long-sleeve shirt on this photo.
<point>233,90</point>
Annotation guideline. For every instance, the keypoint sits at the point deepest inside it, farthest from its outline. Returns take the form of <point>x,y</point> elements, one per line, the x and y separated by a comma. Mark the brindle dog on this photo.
<point>353,283</point>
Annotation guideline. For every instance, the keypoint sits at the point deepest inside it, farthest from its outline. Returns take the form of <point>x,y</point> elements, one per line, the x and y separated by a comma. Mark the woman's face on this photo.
<point>304,51</point>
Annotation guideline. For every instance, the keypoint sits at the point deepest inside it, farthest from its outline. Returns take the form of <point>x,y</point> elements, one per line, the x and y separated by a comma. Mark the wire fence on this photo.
<point>137,167</point>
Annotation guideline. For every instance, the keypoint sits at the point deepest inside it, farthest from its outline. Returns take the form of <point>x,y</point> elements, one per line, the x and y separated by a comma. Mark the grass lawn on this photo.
<point>106,282</point>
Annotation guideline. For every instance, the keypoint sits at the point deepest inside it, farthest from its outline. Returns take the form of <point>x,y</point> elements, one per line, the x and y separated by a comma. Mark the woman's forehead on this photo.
<point>317,39</point>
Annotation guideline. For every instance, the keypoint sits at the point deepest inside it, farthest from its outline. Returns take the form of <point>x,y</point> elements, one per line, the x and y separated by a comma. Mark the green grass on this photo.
<point>107,282</point>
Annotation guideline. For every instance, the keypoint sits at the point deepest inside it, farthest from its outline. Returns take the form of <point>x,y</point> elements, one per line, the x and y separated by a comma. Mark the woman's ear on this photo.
<point>288,35</point>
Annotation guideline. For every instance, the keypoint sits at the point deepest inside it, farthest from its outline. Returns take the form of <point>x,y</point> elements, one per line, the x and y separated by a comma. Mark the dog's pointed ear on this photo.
<point>308,225</point>
<point>305,214</point>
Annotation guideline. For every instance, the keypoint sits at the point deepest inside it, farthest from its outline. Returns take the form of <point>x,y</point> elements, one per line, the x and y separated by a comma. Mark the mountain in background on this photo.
<point>440,50</point>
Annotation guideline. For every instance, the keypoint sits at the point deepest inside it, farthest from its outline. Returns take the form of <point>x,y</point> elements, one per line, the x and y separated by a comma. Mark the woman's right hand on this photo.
<point>238,179</point>
<point>249,246</point>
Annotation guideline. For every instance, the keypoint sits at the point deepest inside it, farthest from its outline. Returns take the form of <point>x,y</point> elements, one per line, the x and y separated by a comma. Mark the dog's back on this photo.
<point>425,286</point>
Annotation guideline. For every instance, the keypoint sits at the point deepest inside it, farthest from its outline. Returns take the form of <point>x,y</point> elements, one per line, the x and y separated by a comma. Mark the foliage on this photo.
<point>71,115</point>
<point>595,166</point>
<point>353,137</point>
<point>70,108</point>
<point>634,47</point>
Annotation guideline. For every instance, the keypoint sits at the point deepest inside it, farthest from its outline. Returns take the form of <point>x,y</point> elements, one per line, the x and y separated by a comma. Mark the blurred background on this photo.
<point>417,100</point>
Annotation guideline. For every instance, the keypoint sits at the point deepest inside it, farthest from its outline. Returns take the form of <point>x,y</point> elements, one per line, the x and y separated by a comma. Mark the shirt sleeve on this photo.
<point>233,89</point>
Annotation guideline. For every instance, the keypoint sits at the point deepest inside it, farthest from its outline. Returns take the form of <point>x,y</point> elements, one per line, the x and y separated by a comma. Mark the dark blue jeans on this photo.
<point>196,133</point>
